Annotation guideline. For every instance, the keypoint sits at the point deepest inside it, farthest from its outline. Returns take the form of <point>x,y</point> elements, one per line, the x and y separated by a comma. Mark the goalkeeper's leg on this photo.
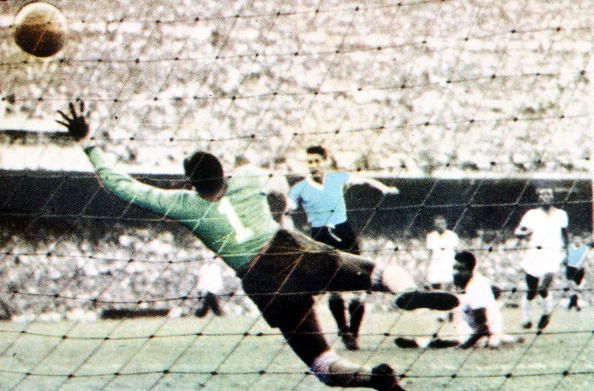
<point>441,301</point>
<point>307,340</point>
<point>393,278</point>
<point>356,273</point>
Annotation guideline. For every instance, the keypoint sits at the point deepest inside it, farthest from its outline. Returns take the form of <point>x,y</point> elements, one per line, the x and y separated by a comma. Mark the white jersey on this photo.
<point>210,278</point>
<point>478,294</point>
<point>443,250</point>
<point>545,251</point>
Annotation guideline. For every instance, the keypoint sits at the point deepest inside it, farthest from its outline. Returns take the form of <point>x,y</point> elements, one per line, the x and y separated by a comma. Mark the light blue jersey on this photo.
<point>324,205</point>
<point>577,255</point>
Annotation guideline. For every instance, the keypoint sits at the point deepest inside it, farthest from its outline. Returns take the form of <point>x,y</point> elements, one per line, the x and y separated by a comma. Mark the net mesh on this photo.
<point>464,105</point>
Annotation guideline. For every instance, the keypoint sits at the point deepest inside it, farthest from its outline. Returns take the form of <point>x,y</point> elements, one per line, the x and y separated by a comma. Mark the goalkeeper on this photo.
<point>280,270</point>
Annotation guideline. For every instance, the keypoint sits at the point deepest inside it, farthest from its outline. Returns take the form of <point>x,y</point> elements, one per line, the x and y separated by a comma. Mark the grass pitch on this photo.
<point>243,353</point>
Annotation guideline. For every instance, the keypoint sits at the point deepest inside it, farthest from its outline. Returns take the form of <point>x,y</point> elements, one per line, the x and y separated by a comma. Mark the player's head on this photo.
<point>206,175</point>
<point>545,195</point>
<point>440,223</point>
<point>463,268</point>
<point>317,159</point>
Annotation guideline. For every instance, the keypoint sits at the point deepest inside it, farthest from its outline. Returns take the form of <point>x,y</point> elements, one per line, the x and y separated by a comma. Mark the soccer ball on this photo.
<point>40,29</point>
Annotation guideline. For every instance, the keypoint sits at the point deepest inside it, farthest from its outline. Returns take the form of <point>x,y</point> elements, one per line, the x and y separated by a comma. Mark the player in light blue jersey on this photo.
<point>575,270</point>
<point>321,194</point>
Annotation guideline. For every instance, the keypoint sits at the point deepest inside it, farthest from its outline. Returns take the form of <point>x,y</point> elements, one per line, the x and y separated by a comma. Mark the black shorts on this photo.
<point>574,274</point>
<point>283,280</point>
<point>341,236</point>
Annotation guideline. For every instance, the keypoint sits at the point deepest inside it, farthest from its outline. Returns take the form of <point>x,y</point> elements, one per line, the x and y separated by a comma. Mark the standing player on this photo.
<point>546,229</point>
<point>210,282</point>
<point>575,271</point>
<point>442,243</point>
<point>280,270</point>
<point>321,195</point>
<point>481,313</point>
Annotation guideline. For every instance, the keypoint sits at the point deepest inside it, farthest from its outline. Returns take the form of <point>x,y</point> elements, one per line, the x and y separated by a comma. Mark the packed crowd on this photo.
<point>144,269</point>
<point>503,89</point>
<point>137,270</point>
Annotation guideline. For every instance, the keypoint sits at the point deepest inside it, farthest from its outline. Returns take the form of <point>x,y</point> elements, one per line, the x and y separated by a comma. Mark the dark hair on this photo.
<point>467,259</point>
<point>205,172</point>
<point>317,149</point>
<point>539,185</point>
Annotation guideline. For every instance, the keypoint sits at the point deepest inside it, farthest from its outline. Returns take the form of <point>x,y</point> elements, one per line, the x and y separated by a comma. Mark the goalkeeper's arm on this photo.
<point>156,200</point>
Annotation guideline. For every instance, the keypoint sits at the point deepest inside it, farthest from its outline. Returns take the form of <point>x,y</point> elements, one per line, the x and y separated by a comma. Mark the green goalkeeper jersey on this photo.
<point>236,227</point>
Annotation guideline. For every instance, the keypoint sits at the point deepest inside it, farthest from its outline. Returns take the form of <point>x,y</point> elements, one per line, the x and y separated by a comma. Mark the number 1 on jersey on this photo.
<point>242,233</point>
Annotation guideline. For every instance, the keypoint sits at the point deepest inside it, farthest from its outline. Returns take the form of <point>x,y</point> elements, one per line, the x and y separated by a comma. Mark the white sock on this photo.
<point>321,365</point>
<point>526,310</point>
<point>423,342</point>
<point>547,305</point>
<point>376,276</point>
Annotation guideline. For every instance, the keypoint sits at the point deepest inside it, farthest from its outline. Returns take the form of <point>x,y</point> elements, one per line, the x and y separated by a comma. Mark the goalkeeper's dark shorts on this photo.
<point>283,279</point>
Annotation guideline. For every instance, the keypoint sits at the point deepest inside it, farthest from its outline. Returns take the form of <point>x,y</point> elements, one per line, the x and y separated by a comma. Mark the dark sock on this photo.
<point>406,343</point>
<point>337,308</point>
<point>356,311</point>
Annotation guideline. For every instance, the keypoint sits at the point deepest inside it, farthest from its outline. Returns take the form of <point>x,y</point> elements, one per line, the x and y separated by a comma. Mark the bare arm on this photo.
<point>360,180</point>
<point>565,236</point>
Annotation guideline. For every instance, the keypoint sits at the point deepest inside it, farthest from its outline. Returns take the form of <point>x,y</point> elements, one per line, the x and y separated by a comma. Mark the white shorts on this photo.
<point>495,320</point>
<point>494,323</point>
<point>538,262</point>
<point>440,272</point>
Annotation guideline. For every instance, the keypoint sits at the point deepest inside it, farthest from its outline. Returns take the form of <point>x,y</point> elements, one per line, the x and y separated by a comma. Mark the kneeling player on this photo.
<point>479,310</point>
<point>280,270</point>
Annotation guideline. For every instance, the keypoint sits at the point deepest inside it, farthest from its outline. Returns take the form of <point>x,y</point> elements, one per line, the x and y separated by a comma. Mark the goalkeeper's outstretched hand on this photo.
<point>77,125</point>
